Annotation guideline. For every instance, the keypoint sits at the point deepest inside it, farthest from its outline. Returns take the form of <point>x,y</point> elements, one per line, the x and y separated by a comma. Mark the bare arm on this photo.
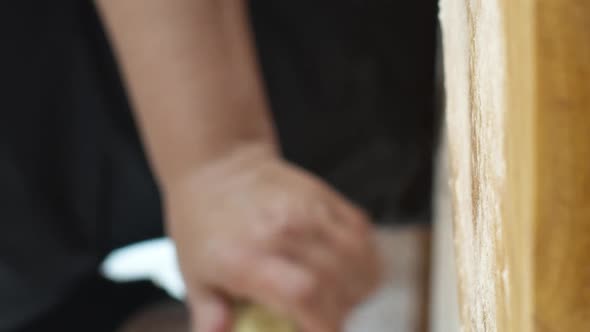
<point>193,78</point>
<point>245,223</point>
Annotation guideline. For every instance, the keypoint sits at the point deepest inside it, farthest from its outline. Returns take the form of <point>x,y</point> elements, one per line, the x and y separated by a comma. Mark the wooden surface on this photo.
<point>518,116</point>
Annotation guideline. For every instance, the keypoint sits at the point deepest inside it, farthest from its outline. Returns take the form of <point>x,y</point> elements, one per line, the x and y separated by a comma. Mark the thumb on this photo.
<point>210,312</point>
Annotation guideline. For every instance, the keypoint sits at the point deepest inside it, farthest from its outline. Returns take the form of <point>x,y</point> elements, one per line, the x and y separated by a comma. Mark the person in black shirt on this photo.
<point>274,131</point>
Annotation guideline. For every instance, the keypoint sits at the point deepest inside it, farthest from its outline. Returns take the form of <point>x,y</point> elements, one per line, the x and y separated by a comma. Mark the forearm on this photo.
<point>192,74</point>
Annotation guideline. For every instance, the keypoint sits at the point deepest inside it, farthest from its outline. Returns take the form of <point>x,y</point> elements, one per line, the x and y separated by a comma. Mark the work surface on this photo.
<point>518,120</point>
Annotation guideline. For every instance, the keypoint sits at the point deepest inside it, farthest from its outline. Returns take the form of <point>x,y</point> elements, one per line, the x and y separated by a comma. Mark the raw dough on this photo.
<point>253,318</point>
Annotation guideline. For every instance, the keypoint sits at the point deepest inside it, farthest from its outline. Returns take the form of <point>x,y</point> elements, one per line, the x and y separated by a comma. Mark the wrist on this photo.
<point>234,159</point>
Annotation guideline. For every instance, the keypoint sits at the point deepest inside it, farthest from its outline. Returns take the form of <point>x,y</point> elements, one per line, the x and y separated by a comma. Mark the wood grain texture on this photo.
<point>562,247</point>
<point>518,115</point>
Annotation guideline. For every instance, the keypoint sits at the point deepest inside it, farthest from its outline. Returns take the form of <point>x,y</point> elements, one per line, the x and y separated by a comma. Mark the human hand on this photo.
<point>251,226</point>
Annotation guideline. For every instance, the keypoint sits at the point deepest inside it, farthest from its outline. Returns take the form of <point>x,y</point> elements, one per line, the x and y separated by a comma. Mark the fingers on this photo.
<point>326,304</point>
<point>294,290</point>
<point>210,312</point>
<point>309,264</point>
<point>278,283</point>
<point>358,241</point>
<point>289,288</point>
<point>337,258</point>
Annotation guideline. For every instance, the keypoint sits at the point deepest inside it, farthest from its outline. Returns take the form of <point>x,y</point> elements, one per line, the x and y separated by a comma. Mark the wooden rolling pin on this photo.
<point>254,318</point>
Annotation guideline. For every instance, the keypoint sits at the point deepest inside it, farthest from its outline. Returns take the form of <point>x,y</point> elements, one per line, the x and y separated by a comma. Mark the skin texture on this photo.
<point>247,224</point>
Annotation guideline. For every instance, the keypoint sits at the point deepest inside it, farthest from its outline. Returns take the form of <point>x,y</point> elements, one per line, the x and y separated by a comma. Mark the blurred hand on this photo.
<point>251,226</point>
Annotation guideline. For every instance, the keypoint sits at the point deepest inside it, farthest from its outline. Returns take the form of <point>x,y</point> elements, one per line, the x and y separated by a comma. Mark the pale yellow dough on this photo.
<point>253,318</point>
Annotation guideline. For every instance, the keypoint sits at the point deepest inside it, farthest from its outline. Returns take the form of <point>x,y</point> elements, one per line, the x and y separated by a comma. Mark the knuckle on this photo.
<point>306,292</point>
<point>283,221</point>
<point>360,216</point>
<point>282,228</point>
<point>361,222</point>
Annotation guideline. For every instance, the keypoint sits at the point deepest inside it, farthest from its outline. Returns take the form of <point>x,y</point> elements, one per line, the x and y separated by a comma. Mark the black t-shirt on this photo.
<point>351,87</point>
